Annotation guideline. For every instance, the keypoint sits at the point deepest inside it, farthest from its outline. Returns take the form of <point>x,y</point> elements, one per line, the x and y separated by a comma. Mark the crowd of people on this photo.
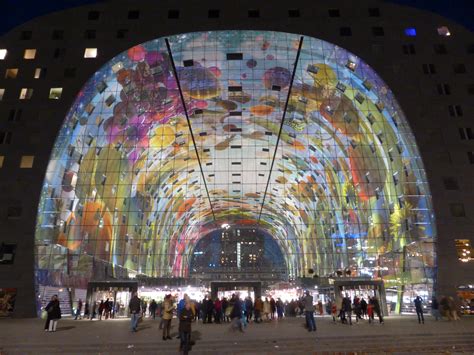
<point>238,313</point>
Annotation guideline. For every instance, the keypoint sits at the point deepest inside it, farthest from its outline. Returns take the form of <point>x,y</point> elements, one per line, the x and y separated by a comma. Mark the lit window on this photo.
<point>55,93</point>
<point>11,73</point>
<point>410,32</point>
<point>444,31</point>
<point>3,54</point>
<point>2,92</point>
<point>40,73</point>
<point>27,161</point>
<point>2,159</point>
<point>464,250</point>
<point>29,54</point>
<point>26,94</point>
<point>90,53</point>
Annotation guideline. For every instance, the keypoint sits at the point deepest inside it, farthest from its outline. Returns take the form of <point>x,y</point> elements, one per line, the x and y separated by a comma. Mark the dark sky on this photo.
<point>16,12</point>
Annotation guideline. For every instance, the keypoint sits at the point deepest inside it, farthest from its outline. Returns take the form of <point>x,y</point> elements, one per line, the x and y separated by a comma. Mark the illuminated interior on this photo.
<point>292,135</point>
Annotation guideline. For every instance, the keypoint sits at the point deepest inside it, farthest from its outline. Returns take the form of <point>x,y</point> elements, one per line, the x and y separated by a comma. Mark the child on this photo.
<point>334,311</point>
<point>370,311</point>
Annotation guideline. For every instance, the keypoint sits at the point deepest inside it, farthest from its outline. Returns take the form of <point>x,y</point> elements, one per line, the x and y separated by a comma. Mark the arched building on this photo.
<point>319,133</point>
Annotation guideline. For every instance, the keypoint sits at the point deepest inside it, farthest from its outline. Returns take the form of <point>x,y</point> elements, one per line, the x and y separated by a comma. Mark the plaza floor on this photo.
<point>399,334</point>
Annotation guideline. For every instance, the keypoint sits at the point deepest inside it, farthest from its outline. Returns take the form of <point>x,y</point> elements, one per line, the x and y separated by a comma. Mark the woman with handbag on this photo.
<point>54,314</point>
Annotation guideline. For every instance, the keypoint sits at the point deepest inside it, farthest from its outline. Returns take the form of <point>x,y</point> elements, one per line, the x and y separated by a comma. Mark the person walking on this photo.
<point>186,317</point>
<point>79,309</point>
<point>418,301</point>
<point>452,309</point>
<point>236,314</point>
<point>54,314</point>
<point>334,311</point>
<point>435,308</point>
<point>152,308</point>
<point>347,306</point>
<point>266,309</point>
<point>135,307</point>
<point>101,309</point>
<point>167,316</point>
<point>257,308</point>
<point>370,310</point>
<point>377,309</point>
<point>218,310</point>
<point>363,307</point>
<point>309,312</point>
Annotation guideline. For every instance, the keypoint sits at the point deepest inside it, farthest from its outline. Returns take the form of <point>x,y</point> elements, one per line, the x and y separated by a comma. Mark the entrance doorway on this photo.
<point>252,289</point>
<point>117,293</point>
<point>362,289</point>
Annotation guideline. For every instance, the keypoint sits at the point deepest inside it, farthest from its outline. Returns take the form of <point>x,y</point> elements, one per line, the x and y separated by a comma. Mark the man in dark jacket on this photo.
<point>134,306</point>
<point>419,309</point>
<point>185,319</point>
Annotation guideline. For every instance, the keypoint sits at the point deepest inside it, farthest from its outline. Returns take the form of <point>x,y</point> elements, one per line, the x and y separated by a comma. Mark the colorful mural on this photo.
<point>124,187</point>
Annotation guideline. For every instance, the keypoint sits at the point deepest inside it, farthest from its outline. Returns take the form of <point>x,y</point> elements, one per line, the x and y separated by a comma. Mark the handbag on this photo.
<point>44,314</point>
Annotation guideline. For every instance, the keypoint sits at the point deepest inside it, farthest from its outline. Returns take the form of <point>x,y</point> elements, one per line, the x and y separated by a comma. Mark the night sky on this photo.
<point>16,12</point>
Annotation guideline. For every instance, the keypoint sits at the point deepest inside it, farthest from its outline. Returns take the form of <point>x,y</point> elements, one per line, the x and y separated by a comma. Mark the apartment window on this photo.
<point>70,72</point>
<point>254,13</point>
<point>57,34</point>
<point>294,13</point>
<point>122,33</point>
<point>29,54</point>
<point>464,250</point>
<point>444,31</point>
<point>457,210</point>
<point>14,212</point>
<point>409,49</point>
<point>59,53</point>
<point>90,53</point>
<point>2,93</point>
<point>470,157</point>
<point>459,68</point>
<point>213,13</point>
<point>443,89</point>
<point>26,35</point>
<point>378,31</point>
<point>455,110</point>
<point>429,69</point>
<point>2,160</point>
<point>450,183</point>
<point>3,54</point>
<point>26,94</point>
<point>7,253</point>
<point>466,133</point>
<point>40,73</point>
<point>334,13</point>
<point>440,49</point>
<point>93,15</point>
<point>374,12</point>
<point>133,14</point>
<point>5,137</point>
<point>173,14</point>
<point>90,34</point>
<point>410,32</point>
<point>470,89</point>
<point>470,49</point>
<point>55,93</point>
<point>11,73</point>
<point>27,161</point>
<point>345,31</point>
<point>14,115</point>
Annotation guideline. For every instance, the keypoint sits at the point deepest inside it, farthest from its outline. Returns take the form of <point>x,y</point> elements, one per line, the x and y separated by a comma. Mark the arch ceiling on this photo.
<point>294,135</point>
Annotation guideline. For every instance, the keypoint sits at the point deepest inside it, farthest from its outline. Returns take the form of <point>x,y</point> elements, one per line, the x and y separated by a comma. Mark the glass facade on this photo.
<point>291,135</point>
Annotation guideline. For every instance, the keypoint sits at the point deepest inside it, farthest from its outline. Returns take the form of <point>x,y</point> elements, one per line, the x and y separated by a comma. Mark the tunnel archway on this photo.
<point>174,137</point>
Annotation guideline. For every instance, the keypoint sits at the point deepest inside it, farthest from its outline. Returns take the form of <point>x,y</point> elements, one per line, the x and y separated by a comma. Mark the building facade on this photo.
<point>390,170</point>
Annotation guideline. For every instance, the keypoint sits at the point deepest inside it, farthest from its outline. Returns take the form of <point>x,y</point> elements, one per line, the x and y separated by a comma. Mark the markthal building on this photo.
<point>211,157</point>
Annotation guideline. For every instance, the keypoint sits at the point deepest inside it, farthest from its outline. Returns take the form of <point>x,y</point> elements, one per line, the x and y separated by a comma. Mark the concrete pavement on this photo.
<point>399,334</point>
